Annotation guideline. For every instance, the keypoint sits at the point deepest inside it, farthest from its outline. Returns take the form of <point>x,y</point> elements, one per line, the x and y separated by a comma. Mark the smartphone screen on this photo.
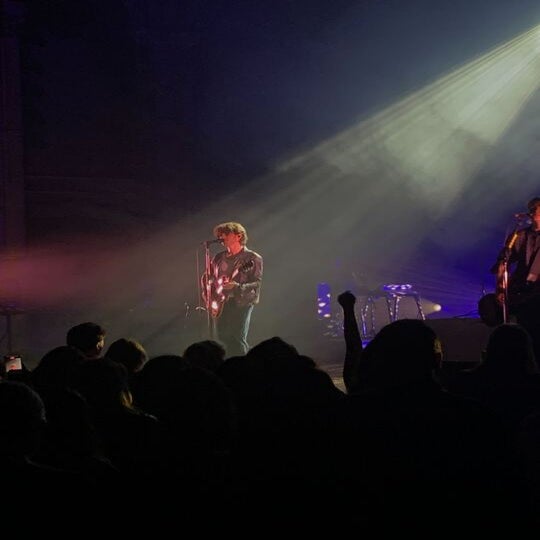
<point>12,362</point>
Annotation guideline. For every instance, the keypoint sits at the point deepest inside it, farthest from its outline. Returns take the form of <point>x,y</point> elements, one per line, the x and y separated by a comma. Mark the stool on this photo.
<point>393,295</point>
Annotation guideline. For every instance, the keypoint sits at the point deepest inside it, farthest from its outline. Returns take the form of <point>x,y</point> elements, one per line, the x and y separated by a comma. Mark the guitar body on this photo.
<point>216,295</point>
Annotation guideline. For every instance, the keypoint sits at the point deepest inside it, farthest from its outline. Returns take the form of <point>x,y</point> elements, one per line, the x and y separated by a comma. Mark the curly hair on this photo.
<point>231,227</point>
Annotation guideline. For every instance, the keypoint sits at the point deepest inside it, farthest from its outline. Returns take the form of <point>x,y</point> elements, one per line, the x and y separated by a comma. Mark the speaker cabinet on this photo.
<point>463,339</point>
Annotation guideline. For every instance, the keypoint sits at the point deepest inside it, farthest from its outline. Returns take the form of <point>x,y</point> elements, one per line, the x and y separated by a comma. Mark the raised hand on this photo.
<point>346,299</point>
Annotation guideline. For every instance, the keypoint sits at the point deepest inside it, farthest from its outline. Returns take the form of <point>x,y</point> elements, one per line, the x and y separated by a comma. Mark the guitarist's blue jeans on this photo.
<point>233,327</point>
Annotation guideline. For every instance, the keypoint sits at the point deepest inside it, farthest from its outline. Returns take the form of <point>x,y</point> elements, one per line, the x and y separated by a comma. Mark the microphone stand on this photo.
<point>502,274</point>
<point>208,289</point>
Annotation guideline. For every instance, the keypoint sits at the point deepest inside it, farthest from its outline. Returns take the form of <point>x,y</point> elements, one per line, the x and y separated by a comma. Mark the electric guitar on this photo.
<point>214,293</point>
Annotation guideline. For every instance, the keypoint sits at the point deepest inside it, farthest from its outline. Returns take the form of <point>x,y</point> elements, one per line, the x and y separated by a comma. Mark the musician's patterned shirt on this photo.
<point>246,268</point>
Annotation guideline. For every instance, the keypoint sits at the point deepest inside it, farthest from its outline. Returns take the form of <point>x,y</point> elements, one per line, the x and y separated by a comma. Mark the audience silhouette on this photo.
<point>507,378</point>
<point>88,337</point>
<point>403,428</point>
<point>208,354</point>
<point>269,437</point>
<point>34,491</point>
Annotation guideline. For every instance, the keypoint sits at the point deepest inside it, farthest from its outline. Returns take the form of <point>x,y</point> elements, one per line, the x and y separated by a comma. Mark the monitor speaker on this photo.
<point>463,339</point>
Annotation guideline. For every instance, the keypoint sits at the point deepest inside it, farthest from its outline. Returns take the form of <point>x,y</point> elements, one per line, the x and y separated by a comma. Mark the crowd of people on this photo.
<point>204,438</point>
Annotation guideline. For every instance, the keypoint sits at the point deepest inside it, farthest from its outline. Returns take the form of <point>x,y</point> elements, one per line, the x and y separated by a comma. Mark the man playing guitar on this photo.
<point>233,287</point>
<point>521,254</point>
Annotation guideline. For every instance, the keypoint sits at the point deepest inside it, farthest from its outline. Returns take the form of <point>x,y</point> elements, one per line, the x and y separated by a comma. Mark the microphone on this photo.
<point>213,241</point>
<point>522,215</point>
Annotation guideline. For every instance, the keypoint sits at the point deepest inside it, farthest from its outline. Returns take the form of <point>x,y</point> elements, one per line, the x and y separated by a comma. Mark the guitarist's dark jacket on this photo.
<point>522,252</point>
